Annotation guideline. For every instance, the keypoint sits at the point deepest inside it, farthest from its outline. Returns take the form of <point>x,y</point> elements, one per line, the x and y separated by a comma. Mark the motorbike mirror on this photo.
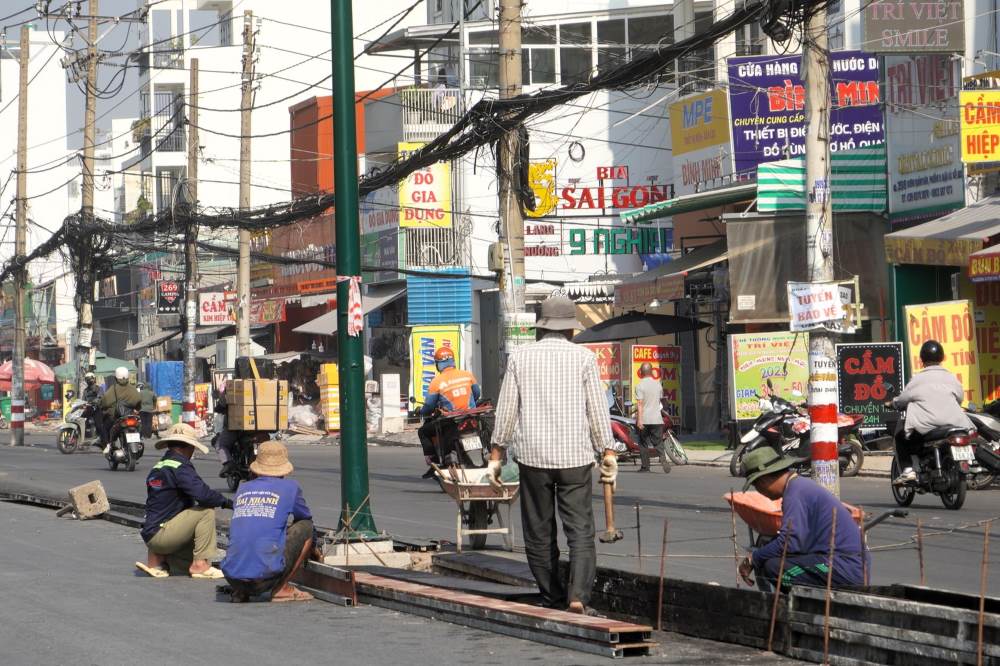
<point>973,407</point>
<point>70,394</point>
<point>413,400</point>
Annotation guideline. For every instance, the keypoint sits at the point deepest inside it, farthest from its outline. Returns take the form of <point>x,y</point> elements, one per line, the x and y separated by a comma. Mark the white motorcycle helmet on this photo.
<point>121,374</point>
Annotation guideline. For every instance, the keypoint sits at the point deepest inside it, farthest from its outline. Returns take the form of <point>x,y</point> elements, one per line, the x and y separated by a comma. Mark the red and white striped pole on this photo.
<point>17,420</point>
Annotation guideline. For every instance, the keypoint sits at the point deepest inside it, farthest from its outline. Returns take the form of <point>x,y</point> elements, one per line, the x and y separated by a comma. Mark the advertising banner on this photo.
<point>380,250</point>
<point>270,311</point>
<point>542,179</point>
<point>985,298</point>
<point>922,136</point>
<point>519,329</point>
<point>980,116</point>
<point>699,133</point>
<point>755,358</point>
<point>609,363</point>
<point>425,195</point>
<point>169,293</point>
<point>868,374</point>
<point>424,341</point>
<point>216,308</point>
<point>820,305</point>
<point>767,99</point>
<point>951,324</point>
<point>666,360</point>
<point>379,211</point>
<point>891,26</point>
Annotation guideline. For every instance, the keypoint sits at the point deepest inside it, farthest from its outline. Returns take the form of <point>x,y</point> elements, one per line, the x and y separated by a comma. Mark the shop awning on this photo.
<point>692,202</point>
<point>666,282</point>
<point>138,349</point>
<point>858,182</point>
<point>327,324</point>
<point>984,266</point>
<point>412,37</point>
<point>949,240</point>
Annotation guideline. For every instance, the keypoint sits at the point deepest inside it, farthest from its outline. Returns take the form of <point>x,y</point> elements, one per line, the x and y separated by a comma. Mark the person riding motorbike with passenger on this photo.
<point>451,390</point>
<point>120,393</point>
<point>932,399</point>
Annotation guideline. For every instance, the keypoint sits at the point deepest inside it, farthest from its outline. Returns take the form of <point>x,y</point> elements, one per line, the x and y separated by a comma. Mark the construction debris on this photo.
<point>88,501</point>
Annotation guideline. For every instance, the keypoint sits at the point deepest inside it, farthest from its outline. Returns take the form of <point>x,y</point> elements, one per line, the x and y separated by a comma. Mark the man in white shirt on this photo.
<point>649,420</point>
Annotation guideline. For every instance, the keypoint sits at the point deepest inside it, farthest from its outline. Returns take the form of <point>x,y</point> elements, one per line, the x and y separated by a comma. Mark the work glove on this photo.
<point>493,472</point>
<point>609,469</point>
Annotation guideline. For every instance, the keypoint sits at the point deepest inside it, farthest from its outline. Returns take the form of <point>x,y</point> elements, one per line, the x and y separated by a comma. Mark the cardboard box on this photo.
<point>329,375</point>
<point>259,417</point>
<point>257,392</point>
<point>164,403</point>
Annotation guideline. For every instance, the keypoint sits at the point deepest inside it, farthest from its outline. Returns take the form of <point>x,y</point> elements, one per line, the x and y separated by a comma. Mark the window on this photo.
<point>531,34</point>
<point>543,65</point>
<point>649,31</point>
<point>484,37</point>
<point>483,68</point>
<point>575,33</point>
<point>611,32</point>
<point>575,64</point>
<point>608,57</point>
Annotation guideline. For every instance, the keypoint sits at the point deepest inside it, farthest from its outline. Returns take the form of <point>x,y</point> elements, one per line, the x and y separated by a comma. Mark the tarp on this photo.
<point>138,349</point>
<point>166,378</point>
<point>692,202</point>
<point>666,282</point>
<point>858,182</point>
<point>326,324</point>
<point>104,365</point>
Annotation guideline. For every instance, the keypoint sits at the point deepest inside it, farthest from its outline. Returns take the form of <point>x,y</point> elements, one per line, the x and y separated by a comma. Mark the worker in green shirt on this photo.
<point>147,409</point>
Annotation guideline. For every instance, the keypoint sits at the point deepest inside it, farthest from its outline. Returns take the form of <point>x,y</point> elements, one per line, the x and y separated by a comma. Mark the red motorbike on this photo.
<point>627,440</point>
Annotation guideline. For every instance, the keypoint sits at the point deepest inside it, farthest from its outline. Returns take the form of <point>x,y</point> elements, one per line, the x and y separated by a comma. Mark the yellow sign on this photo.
<point>950,323</point>
<point>699,121</point>
<point>980,111</point>
<point>985,298</point>
<point>424,341</point>
<point>542,178</point>
<point>666,362</point>
<point>425,195</point>
<point>930,251</point>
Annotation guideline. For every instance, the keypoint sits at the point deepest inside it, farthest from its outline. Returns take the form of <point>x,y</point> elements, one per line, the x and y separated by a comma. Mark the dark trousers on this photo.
<point>147,424</point>
<point>812,569</point>
<point>542,491</point>
<point>651,437</point>
<point>448,434</point>
<point>296,537</point>
<point>907,447</point>
<point>101,422</point>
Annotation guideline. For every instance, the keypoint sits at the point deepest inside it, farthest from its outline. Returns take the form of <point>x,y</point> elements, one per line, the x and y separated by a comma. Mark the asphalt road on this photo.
<point>700,527</point>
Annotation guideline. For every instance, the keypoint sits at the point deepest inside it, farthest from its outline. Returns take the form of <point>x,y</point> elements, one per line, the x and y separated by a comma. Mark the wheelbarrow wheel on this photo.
<point>479,519</point>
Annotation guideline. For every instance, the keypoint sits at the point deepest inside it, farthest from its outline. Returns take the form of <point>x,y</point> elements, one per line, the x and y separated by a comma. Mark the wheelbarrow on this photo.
<point>478,504</point>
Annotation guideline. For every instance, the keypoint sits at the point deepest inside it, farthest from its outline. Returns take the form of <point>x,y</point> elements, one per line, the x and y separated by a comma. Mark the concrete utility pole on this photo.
<point>511,223</point>
<point>356,516</point>
<point>243,269</point>
<point>20,249</point>
<point>85,318</point>
<point>819,249</point>
<point>191,249</point>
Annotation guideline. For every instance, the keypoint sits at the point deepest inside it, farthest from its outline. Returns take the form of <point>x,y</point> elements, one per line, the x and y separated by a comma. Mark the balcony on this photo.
<point>428,112</point>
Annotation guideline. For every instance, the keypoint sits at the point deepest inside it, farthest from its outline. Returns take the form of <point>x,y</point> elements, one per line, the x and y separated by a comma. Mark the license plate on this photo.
<point>132,437</point>
<point>962,453</point>
<point>472,443</point>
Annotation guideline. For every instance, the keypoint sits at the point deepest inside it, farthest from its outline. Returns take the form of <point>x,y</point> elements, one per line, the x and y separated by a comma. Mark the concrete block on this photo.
<point>357,548</point>
<point>89,500</point>
<point>394,560</point>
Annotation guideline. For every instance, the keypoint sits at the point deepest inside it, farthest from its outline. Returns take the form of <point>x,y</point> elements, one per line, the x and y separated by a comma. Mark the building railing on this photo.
<point>170,58</point>
<point>432,247</point>
<point>427,112</point>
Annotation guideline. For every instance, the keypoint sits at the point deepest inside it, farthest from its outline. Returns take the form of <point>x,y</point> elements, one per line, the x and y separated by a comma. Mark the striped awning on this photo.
<point>859,182</point>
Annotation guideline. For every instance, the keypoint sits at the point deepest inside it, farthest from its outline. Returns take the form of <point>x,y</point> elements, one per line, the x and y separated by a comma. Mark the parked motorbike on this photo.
<point>987,444</point>
<point>125,439</point>
<point>786,427</point>
<point>625,432</point>
<point>243,453</point>
<point>79,429</point>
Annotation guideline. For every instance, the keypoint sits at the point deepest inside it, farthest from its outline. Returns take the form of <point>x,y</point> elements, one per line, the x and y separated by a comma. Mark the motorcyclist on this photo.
<point>92,395</point>
<point>120,393</point>
<point>452,389</point>
<point>932,399</point>
<point>226,438</point>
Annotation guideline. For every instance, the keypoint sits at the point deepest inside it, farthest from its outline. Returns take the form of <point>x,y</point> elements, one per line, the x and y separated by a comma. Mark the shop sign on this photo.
<point>868,374</point>
<point>425,195</point>
<point>620,240</point>
<point>951,324</point>
<point>519,329</point>
<point>980,115</point>
<point>666,362</point>
<point>325,286</point>
<point>613,192</point>
<point>820,305</point>
<point>930,251</point>
<point>892,26</point>
<point>985,267</point>
<point>216,308</point>
<point>767,101</point>
<point>755,358</point>
<point>381,250</point>
<point>640,293</point>
<point>699,134</point>
<point>424,341</point>
<point>985,298</point>
<point>270,311</point>
<point>170,293</point>
<point>380,211</point>
<point>609,361</point>
<point>922,136</point>
<point>542,180</point>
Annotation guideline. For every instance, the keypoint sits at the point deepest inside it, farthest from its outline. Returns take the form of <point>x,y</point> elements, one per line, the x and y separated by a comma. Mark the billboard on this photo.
<point>868,374</point>
<point>891,26</point>
<point>169,296</point>
<point>755,358</point>
<point>666,361</point>
<point>951,324</point>
<point>424,341</point>
<point>923,149</point>
<point>216,308</point>
<point>980,116</point>
<point>985,298</point>
<point>699,135</point>
<point>767,101</point>
<point>609,363</point>
<point>425,195</point>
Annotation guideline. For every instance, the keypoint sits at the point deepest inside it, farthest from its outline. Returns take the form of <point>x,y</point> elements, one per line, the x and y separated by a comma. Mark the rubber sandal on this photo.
<point>210,573</point>
<point>297,595</point>
<point>152,572</point>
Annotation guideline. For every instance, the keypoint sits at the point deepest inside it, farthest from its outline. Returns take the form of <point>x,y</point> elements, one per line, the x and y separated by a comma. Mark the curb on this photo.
<point>875,474</point>
<point>393,442</point>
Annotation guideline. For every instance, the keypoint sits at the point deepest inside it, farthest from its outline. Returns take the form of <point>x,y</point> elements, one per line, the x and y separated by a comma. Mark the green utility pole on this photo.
<point>353,437</point>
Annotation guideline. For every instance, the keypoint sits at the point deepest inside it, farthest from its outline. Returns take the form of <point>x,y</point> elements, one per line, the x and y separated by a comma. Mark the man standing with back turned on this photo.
<point>553,409</point>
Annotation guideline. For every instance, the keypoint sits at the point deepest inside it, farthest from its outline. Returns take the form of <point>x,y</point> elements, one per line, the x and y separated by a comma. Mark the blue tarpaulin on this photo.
<point>166,378</point>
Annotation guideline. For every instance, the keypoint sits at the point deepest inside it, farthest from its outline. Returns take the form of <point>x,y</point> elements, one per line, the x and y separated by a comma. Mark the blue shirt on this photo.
<point>257,531</point>
<point>172,486</point>
<point>809,508</point>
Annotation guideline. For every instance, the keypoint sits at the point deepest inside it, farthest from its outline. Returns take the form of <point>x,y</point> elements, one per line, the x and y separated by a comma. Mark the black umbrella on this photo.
<point>638,325</point>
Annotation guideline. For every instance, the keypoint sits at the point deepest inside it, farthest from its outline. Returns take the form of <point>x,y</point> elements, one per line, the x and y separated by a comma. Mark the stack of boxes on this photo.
<point>329,395</point>
<point>257,404</point>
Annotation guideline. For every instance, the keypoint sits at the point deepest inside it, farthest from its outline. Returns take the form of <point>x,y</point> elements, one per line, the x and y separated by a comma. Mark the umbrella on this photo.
<point>638,325</point>
<point>36,373</point>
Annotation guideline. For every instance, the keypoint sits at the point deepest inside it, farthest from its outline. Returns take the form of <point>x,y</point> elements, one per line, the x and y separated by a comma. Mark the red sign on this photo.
<point>612,173</point>
<point>216,308</point>
<point>270,311</point>
<point>609,360</point>
<point>624,196</point>
<point>169,297</point>
<point>317,286</point>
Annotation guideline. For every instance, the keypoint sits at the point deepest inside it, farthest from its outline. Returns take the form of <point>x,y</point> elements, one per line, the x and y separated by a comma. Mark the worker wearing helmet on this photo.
<point>451,390</point>
<point>92,395</point>
<point>121,393</point>
<point>932,399</point>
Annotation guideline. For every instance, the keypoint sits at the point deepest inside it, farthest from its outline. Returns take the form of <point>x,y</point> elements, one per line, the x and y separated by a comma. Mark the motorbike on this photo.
<point>79,429</point>
<point>987,444</point>
<point>244,452</point>
<point>785,427</point>
<point>467,443</point>
<point>627,439</point>
<point>125,440</point>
